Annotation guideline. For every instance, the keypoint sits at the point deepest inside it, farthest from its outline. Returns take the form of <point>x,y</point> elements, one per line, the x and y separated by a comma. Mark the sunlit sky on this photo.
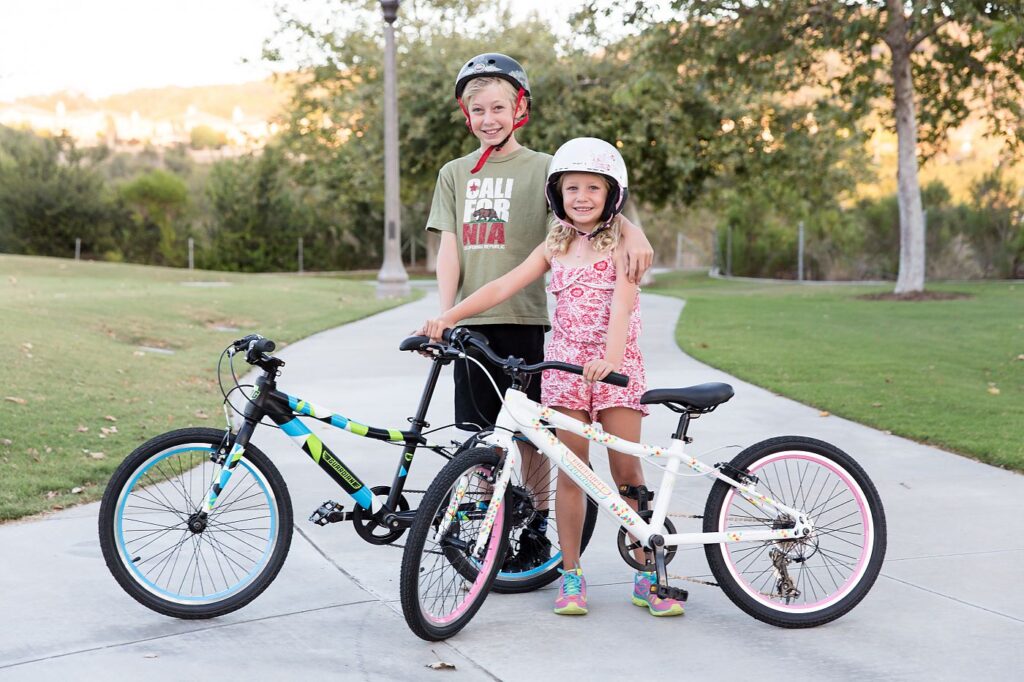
<point>103,47</point>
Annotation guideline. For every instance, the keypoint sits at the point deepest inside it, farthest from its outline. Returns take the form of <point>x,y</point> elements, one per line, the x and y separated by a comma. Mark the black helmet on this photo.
<point>493,65</point>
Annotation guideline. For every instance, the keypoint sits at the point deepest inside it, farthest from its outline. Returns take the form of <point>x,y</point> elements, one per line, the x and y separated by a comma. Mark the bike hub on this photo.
<point>197,522</point>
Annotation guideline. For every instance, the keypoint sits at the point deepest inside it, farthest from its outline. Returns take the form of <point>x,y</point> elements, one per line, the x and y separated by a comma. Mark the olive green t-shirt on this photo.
<point>499,215</point>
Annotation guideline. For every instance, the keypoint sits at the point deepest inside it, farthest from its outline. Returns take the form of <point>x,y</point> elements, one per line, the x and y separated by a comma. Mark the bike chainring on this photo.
<point>626,545</point>
<point>370,526</point>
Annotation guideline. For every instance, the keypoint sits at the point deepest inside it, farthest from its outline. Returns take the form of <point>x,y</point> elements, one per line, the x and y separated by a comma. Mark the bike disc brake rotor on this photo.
<point>370,526</point>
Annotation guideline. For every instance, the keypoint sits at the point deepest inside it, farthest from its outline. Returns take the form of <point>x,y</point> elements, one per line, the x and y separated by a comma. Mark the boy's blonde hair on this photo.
<point>561,233</point>
<point>475,86</point>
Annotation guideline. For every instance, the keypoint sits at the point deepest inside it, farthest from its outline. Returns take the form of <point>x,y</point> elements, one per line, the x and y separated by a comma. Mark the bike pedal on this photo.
<point>669,592</point>
<point>329,512</point>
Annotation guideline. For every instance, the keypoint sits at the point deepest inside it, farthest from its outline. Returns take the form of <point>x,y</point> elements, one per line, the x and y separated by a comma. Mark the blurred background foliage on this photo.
<point>730,145</point>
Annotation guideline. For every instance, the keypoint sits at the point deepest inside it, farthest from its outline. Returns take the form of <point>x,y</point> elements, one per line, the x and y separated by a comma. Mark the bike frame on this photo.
<point>285,410</point>
<point>520,414</point>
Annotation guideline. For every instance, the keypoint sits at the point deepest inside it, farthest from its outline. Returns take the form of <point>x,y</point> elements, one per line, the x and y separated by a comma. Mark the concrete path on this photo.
<point>947,607</point>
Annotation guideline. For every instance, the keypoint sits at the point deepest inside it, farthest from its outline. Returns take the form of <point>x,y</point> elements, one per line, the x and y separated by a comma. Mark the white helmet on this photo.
<point>588,155</point>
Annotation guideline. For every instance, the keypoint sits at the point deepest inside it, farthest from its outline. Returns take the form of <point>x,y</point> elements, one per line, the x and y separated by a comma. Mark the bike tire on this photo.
<point>835,566</point>
<point>441,586</point>
<point>144,526</point>
<point>534,557</point>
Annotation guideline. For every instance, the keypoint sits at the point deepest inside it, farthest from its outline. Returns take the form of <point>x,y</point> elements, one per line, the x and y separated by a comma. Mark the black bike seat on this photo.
<point>414,343</point>
<point>694,398</point>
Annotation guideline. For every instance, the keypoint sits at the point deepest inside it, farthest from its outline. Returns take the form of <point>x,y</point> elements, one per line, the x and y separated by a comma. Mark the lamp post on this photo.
<point>392,279</point>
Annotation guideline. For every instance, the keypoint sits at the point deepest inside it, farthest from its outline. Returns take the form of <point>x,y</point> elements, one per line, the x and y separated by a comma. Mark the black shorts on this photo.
<point>476,404</point>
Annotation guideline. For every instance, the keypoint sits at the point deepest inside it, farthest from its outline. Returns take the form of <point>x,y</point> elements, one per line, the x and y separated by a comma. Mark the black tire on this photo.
<point>834,567</point>
<point>234,555</point>
<point>435,598</point>
<point>535,556</point>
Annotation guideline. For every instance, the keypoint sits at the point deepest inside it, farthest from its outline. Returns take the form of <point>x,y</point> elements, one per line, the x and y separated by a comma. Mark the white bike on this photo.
<point>794,529</point>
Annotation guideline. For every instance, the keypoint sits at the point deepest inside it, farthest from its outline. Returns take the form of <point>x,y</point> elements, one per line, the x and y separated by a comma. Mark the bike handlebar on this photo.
<point>456,334</point>
<point>255,347</point>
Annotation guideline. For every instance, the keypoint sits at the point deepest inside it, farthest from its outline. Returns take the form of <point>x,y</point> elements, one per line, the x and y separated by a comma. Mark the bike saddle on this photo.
<point>693,398</point>
<point>413,343</point>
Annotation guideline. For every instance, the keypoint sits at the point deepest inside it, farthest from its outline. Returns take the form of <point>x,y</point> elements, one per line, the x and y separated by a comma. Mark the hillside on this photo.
<point>261,99</point>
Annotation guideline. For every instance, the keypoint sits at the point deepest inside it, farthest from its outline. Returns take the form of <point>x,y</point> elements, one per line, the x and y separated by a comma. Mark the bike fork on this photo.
<point>227,467</point>
<point>509,463</point>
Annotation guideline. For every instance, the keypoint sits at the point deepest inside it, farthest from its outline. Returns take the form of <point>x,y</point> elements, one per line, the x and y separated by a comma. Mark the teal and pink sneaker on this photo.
<point>572,597</point>
<point>642,596</point>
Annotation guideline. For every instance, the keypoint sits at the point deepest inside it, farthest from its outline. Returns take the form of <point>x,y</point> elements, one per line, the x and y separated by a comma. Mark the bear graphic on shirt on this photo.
<point>486,212</point>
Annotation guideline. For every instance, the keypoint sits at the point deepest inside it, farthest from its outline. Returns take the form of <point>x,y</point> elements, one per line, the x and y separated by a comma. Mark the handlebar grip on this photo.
<point>616,379</point>
<point>264,346</point>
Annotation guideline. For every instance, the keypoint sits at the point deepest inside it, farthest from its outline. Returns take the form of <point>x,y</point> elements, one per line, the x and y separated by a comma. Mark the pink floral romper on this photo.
<point>580,329</point>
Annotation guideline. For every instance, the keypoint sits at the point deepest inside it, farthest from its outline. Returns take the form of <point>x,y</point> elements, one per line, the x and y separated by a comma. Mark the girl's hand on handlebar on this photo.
<point>595,370</point>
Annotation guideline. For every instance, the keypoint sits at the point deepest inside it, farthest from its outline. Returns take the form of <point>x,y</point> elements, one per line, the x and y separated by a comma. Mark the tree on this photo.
<point>51,195</point>
<point>157,199</point>
<point>928,59</point>
<point>257,214</point>
<point>205,137</point>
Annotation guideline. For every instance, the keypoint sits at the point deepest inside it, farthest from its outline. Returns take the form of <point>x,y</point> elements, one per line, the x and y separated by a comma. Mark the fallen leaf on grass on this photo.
<point>82,428</point>
<point>14,399</point>
<point>5,441</point>
<point>110,419</point>
<point>138,354</point>
<point>76,490</point>
<point>876,404</point>
<point>201,415</point>
<point>824,413</point>
<point>98,455</point>
<point>992,389</point>
<point>1021,356</point>
<point>50,494</point>
<point>26,346</point>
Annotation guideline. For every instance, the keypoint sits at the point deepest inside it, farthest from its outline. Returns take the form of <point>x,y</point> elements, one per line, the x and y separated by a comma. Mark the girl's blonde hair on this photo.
<point>561,234</point>
<point>475,86</point>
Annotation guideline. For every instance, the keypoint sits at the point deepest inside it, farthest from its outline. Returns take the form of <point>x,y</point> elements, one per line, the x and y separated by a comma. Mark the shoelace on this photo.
<point>571,586</point>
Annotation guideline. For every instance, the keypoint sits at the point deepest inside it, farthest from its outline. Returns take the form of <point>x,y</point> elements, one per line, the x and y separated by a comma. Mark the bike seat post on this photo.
<point>682,427</point>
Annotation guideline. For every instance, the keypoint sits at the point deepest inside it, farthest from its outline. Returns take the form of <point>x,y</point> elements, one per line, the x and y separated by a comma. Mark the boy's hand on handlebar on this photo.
<point>435,328</point>
<point>595,370</point>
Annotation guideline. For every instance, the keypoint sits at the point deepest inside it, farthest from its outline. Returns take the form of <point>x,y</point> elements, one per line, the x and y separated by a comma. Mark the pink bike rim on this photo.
<point>481,575</point>
<point>867,535</point>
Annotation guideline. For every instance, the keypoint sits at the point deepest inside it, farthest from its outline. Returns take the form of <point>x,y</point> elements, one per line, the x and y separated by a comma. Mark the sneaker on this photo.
<point>572,597</point>
<point>656,605</point>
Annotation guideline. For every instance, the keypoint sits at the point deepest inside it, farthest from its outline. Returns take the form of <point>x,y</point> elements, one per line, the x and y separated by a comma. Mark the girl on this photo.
<point>596,324</point>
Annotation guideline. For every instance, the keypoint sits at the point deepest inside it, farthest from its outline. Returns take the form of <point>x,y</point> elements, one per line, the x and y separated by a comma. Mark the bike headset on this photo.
<point>495,65</point>
<point>588,155</point>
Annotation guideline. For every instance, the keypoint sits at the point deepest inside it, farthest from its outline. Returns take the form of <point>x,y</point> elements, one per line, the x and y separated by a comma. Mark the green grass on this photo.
<point>948,373</point>
<point>70,337</point>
